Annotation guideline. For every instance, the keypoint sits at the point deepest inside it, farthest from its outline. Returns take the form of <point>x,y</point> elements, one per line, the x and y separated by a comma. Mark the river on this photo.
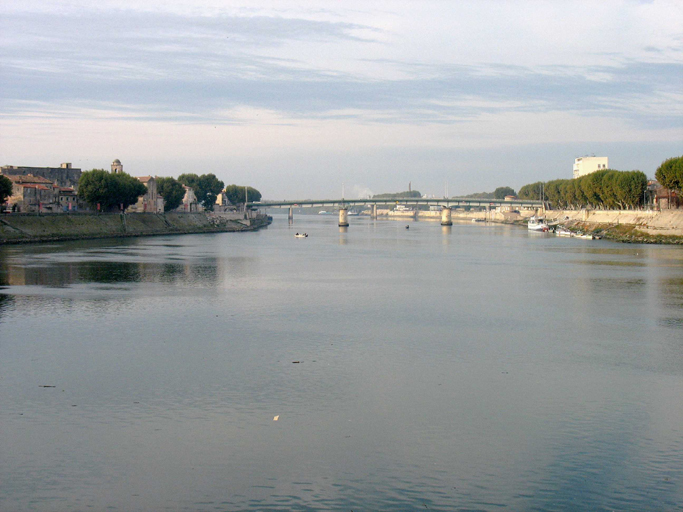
<point>476,367</point>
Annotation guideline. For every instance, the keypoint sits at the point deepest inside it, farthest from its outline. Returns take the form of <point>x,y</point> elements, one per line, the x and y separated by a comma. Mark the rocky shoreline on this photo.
<point>32,228</point>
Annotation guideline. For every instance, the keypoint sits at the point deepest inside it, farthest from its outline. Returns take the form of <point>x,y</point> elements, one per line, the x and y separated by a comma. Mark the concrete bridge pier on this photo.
<point>446,216</point>
<point>373,216</point>
<point>290,217</point>
<point>343,217</point>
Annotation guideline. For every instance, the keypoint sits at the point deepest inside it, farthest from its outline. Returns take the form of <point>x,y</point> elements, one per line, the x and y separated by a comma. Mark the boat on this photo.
<point>301,235</point>
<point>562,231</point>
<point>537,224</point>
<point>323,212</point>
<point>478,220</point>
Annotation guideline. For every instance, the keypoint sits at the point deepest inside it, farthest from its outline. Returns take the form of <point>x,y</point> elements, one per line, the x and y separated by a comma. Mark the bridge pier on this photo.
<point>446,216</point>
<point>343,217</point>
<point>373,215</point>
<point>290,217</point>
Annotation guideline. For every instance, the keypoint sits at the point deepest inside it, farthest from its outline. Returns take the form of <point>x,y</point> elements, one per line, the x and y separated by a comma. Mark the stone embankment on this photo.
<point>631,226</point>
<point>24,228</point>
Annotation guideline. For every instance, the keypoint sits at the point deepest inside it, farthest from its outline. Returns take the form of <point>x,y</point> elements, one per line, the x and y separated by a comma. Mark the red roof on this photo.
<point>29,178</point>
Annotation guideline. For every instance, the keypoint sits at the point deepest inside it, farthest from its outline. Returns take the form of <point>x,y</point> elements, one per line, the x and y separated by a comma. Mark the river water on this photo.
<point>476,367</point>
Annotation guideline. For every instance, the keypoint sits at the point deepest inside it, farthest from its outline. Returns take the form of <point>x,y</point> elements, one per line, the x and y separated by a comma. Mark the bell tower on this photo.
<point>116,166</point>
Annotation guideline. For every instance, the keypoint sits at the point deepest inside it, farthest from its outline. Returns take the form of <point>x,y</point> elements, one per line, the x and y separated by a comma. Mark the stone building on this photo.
<point>190,203</point>
<point>33,194</point>
<point>152,201</point>
<point>64,176</point>
<point>116,166</point>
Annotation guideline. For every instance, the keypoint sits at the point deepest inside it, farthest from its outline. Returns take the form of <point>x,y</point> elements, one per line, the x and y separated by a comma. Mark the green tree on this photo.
<point>5,188</point>
<point>236,195</point>
<point>206,187</point>
<point>109,190</point>
<point>501,192</point>
<point>670,174</point>
<point>172,191</point>
<point>531,192</point>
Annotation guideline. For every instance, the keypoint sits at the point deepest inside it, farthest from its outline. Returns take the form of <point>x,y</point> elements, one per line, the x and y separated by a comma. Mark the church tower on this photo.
<point>116,166</point>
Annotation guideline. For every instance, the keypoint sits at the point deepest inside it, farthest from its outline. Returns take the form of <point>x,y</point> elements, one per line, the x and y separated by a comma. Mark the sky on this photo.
<point>312,99</point>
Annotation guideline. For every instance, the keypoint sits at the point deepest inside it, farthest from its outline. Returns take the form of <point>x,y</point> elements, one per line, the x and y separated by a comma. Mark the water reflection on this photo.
<point>205,272</point>
<point>671,300</point>
<point>6,302</point>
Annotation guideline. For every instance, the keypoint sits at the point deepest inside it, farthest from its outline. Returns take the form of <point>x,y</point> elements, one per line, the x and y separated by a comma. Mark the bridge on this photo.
<point>446,204</point>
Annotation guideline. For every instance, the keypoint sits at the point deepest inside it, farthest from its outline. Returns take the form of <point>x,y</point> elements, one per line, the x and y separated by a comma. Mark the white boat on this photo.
<point>323,212</point>
<point>301,235</point>
<point>562,231</point>
<point>537,224</point>
<point>478,220</point>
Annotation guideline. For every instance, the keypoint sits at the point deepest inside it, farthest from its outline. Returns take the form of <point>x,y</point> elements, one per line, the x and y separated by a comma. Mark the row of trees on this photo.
<point>120,190</point>
<point>606,189</point>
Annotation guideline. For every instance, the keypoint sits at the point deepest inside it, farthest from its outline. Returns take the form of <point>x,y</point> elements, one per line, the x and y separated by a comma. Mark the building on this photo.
<point>116,166</point>
<point>64,176</point>
<point>662,198</point>
<point>190,203</point>
<point>68,200</point>
<point>33,194</point>
<point>152,201</point>
<point>588,164</point>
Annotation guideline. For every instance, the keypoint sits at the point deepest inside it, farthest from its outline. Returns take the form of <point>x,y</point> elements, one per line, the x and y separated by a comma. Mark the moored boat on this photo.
<point>537,224</point>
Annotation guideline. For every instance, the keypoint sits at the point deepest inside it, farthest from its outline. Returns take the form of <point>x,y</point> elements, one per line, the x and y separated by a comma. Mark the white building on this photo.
<point>588,164</point>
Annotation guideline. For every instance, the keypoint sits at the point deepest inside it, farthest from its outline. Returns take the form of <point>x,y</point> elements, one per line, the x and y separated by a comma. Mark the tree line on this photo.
<point>408,194</point>
<point>120,190</point>
<point>605,189</point>
<point>499,193</point>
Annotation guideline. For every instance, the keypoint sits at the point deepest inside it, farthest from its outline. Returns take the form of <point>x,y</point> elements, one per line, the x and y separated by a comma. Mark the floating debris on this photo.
<point>276,418</point>
<point>42,386</point>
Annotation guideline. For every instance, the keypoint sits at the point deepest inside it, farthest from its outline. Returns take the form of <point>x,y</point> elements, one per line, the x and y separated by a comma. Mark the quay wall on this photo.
<point>23,228</point>
<point>642,226</point>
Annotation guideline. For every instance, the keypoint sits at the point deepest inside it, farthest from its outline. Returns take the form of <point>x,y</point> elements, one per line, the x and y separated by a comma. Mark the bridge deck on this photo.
<point>452,201</point>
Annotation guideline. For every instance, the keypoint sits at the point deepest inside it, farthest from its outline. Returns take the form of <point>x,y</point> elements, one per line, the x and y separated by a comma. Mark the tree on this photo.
<point>5,188</point>
<point>531,192</point>
<point>206,187</point>
<point>235,194</point>
<point>670,174</point>
<point>109,190</point>
<point>172,191</point>
<point>501,192</point>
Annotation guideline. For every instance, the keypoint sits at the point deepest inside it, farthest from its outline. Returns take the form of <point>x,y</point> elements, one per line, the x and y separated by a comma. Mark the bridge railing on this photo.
<point>452,201</point>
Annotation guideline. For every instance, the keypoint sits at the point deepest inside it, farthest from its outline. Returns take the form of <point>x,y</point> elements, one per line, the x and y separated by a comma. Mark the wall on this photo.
<point>18,228</point>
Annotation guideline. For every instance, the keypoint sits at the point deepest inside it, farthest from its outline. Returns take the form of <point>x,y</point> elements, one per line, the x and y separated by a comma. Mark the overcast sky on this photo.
<point>297,98</point>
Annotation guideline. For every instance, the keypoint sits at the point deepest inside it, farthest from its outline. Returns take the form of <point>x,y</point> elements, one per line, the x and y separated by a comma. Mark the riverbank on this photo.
<point>629,226</point>
<point>31,228</point>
